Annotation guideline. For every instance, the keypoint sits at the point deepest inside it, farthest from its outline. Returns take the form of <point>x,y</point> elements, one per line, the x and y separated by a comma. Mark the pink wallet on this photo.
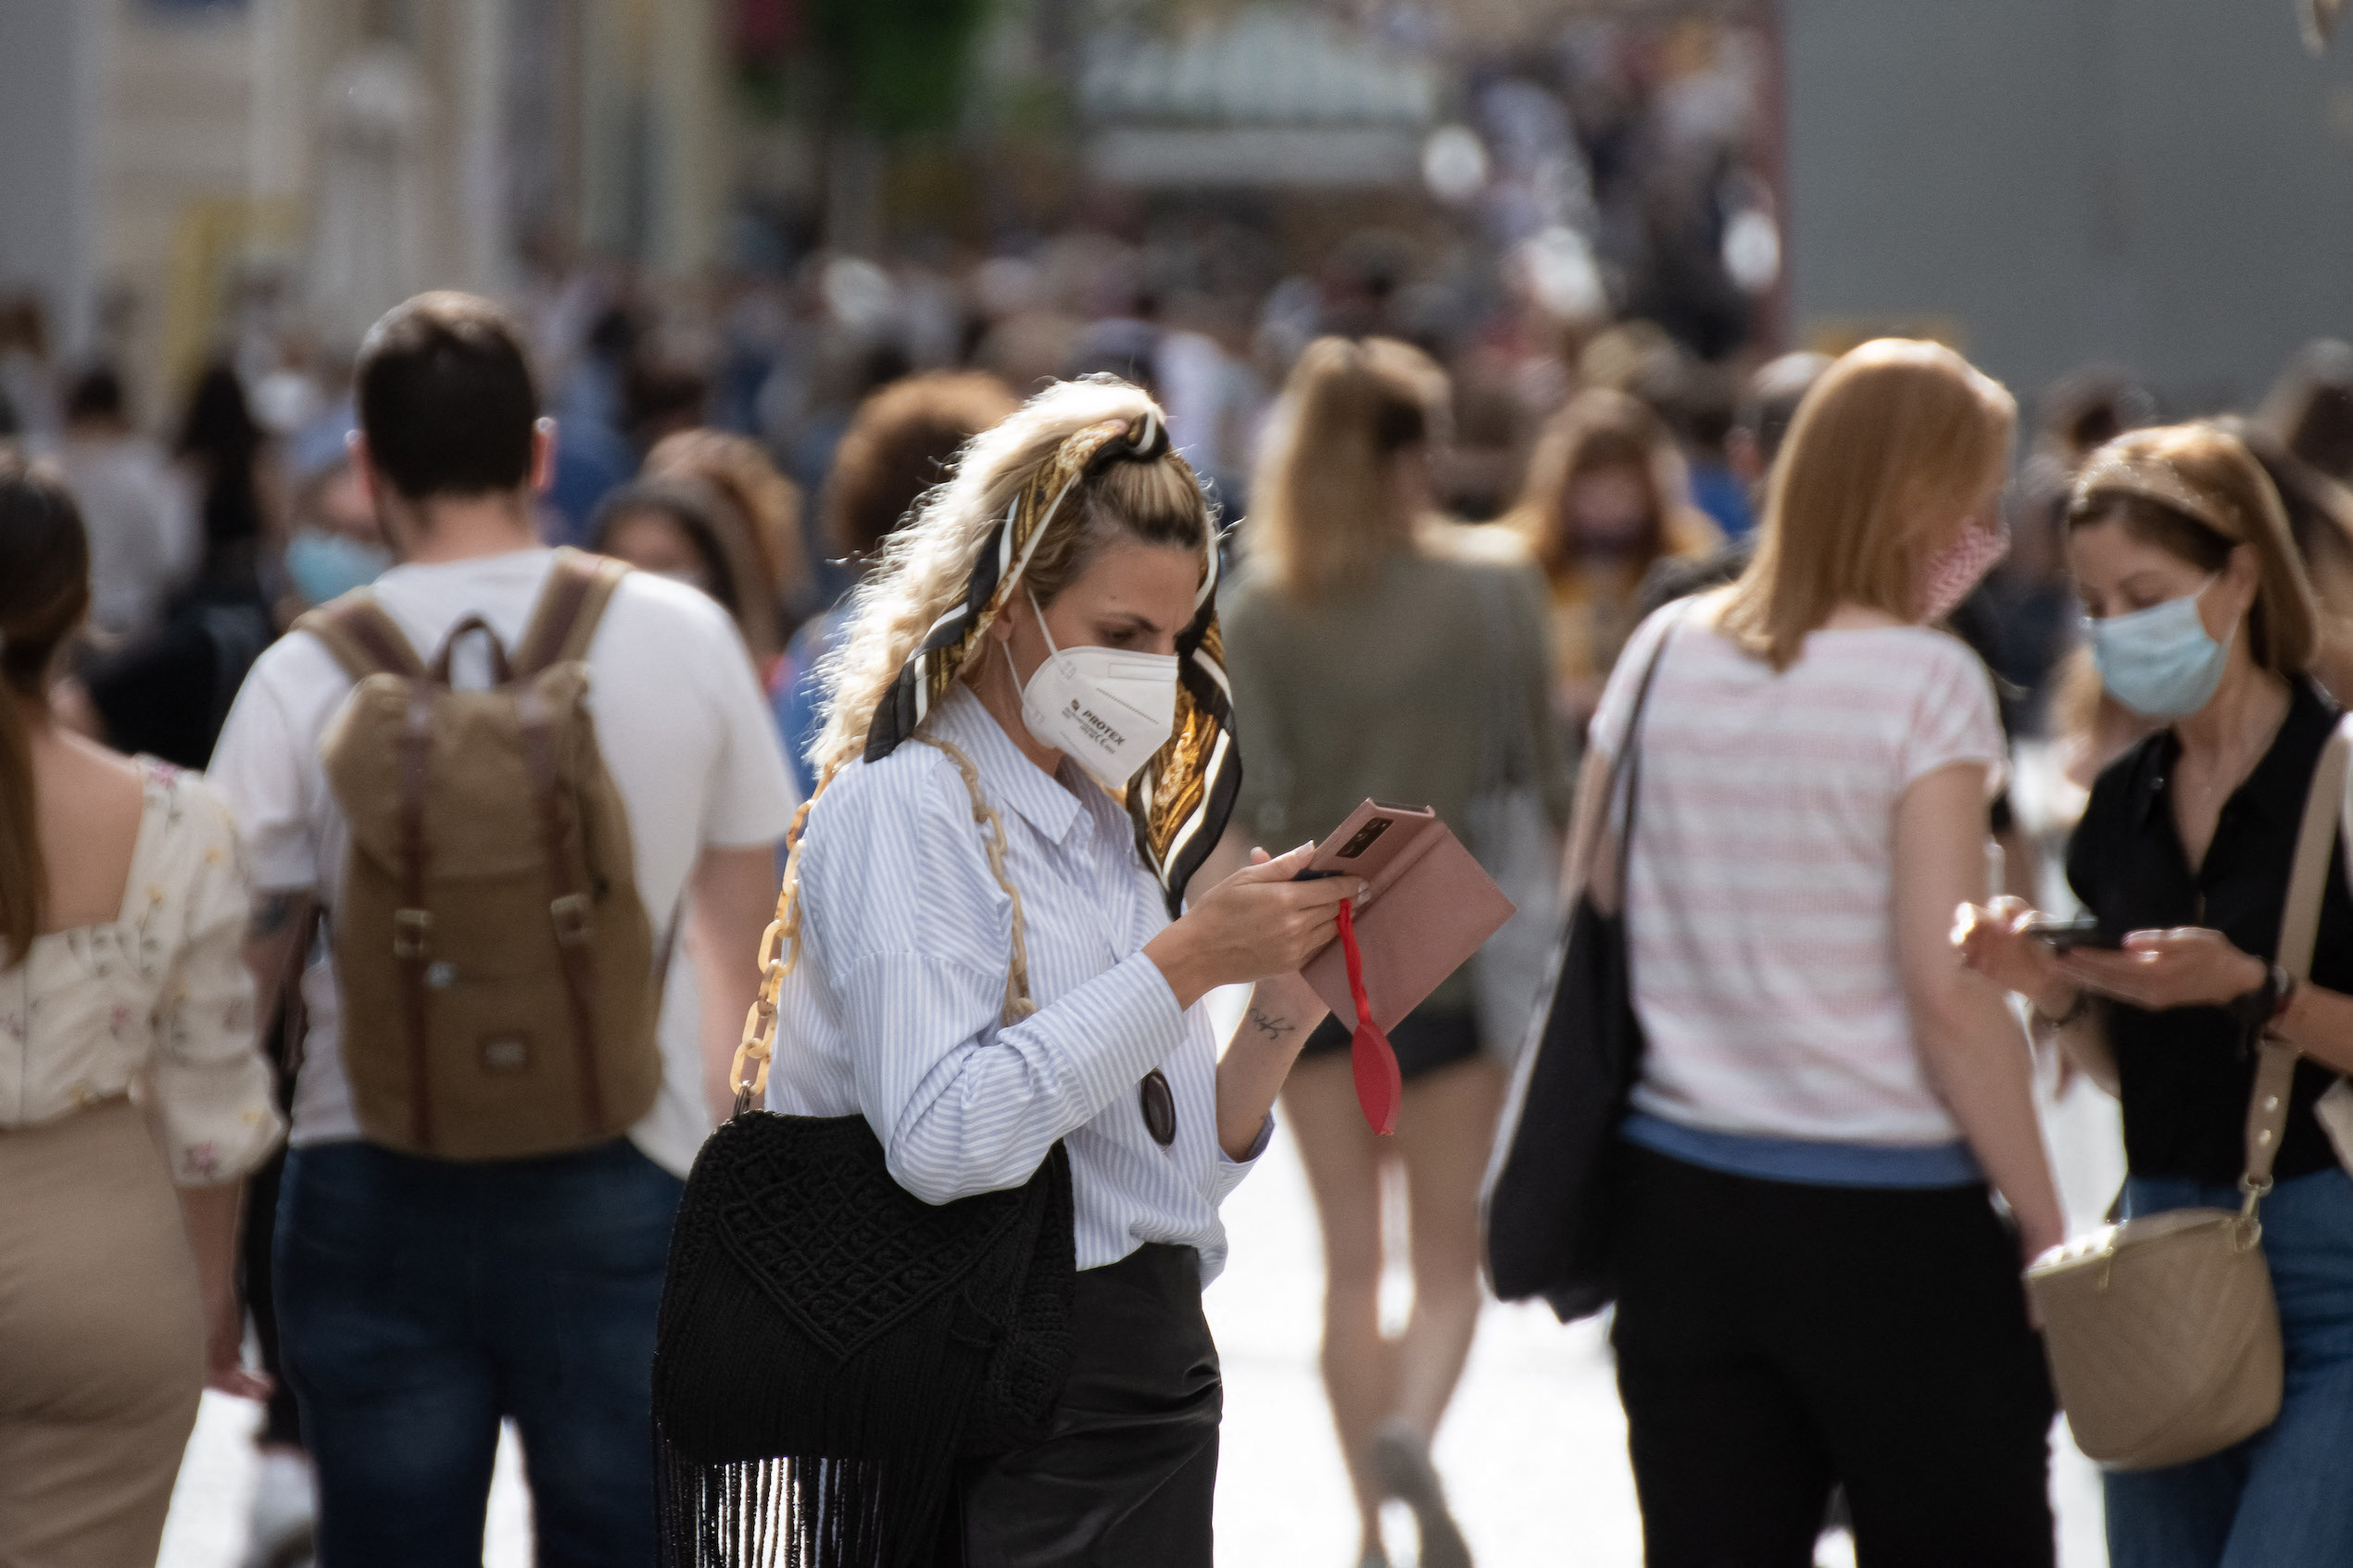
<point>1427,906</point>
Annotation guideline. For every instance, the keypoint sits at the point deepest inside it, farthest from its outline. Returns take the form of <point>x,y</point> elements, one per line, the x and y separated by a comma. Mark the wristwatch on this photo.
<point>2256,1011</point>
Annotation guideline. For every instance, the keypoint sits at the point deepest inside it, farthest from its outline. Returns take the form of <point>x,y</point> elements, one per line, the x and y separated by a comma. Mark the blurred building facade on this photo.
<point>168,165</point>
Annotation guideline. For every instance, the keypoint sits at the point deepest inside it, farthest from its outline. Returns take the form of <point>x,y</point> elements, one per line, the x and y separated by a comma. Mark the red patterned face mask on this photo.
<point>1951,574</point>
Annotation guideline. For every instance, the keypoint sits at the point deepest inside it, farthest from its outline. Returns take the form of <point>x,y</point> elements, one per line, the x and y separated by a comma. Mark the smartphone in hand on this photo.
<point>2066,935</point>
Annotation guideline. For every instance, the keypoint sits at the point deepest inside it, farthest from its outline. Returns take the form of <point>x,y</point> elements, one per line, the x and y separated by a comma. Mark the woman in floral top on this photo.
<point>123,908</point>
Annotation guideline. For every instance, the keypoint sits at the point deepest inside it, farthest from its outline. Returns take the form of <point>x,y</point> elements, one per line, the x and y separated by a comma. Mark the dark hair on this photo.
<point>96,393</point>
<point>2309,410</point>
<point>45,588</point>
<point>899,445</point>
<point>219,432</point>
<point>1768,403</point>
<point>446,397</point>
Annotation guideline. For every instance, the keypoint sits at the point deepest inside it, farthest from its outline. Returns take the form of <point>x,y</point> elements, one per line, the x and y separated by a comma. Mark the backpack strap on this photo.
<point>412,922</point>
<point>364,640</point>
<point>571,911</point>
<point>578,589</point>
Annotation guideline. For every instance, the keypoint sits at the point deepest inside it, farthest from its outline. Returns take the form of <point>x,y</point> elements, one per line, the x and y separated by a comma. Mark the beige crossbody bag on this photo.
<point>2163,1338</point>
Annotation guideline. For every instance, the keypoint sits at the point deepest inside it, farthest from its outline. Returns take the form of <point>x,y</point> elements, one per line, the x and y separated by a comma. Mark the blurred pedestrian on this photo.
<point>2319,520</point>
<point>221,443</point>
<point>1374,652</point>
<point>121,902</point>
<point>1814,1289</point>
<point>333,541</point>
<point>30,408</point>
<point>165,693</point>
<point>143,540</point>
<point>1760,423</point>
<point>1604,499</point>
<point>766,506</point>
<point>421,1299</point>
<point>682,530</point>
<point>1761,418</point>
<point>2309,410</point>
<point>2201,622</point>
<point>902,441</point>
<point>1067,570</point>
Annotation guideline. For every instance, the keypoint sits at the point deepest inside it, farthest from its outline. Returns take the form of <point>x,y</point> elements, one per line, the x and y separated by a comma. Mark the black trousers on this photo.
<point>1775,1338</point>
<point>1129,1474</point>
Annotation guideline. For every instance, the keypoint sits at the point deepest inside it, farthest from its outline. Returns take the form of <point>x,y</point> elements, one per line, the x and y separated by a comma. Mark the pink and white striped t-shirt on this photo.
<point>1760,914</point>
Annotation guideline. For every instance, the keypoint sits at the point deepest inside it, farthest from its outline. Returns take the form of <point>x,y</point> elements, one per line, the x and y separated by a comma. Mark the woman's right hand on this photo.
<point>1256,923</point>
<point>1992,941</point>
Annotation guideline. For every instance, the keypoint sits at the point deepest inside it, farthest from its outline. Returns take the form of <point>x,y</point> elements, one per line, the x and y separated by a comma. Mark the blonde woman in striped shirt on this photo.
<point>1816,1289</point>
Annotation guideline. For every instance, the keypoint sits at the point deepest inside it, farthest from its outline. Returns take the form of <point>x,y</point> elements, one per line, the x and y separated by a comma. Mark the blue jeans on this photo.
<point>421,1301</point>
<point>2285,1494</point>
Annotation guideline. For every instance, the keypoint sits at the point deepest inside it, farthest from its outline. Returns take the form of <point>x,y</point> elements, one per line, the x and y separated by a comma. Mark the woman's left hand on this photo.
<point>2187,966</point>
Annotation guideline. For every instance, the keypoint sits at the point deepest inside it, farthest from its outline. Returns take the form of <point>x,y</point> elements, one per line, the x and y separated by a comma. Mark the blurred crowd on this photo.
<point>757,437</point>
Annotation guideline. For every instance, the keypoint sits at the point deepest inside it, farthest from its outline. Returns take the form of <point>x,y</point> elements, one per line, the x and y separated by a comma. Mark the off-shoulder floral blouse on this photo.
<point>162,986</point>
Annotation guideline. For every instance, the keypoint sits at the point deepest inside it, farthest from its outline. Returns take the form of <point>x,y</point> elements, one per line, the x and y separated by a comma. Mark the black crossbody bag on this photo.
<point>1551,1192</point>
<point>831,1346</point>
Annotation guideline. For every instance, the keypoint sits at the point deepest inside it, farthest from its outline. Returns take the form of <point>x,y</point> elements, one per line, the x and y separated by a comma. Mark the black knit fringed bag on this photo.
<point>831,1346</point>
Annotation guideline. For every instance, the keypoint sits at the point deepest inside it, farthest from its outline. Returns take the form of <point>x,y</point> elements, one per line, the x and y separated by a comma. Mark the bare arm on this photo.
<point>730,901</point>
<point>1967,1036</point>
<point>1281,1013</point>
<point>274,933</point>
<point>211,1214</point>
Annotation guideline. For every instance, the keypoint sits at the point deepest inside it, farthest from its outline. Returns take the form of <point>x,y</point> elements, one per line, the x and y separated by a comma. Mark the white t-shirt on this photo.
<point>684,731</point>
<point>141,521</point>
<point>1759,898</point>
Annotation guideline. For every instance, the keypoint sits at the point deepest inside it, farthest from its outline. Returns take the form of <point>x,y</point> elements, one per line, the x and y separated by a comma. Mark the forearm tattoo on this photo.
<point>1272,1027</point>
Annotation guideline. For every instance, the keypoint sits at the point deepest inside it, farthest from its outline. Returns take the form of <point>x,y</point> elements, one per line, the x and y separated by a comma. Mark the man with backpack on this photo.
<point>512,782</point>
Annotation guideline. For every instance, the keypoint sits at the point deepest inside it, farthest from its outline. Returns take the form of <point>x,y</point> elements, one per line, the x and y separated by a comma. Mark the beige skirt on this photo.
<point>101,1341</point>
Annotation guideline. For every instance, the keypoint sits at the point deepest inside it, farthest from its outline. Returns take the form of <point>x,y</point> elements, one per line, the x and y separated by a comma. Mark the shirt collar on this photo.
<point>1041,800</point>
<point>2274,791</point>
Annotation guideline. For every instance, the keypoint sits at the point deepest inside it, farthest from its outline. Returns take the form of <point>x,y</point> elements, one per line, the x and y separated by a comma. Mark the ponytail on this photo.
<point>45,588</point>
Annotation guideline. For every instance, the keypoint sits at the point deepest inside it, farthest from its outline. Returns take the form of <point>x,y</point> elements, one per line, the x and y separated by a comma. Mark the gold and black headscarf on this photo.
<point>1181,799</point>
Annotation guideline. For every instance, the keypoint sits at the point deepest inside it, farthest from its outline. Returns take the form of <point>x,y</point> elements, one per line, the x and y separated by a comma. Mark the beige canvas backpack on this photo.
<point>497,967</point>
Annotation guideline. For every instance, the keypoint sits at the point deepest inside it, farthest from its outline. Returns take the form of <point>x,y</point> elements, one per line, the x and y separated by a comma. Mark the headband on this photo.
<point>2154,478</point>
<point>1180,801</point>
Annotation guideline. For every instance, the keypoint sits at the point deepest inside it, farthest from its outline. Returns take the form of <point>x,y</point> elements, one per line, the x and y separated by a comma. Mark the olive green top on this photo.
<point>1422,688</point>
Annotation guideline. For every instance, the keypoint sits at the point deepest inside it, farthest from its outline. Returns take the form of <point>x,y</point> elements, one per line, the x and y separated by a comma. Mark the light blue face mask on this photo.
<point>2159,661</point>
<point>326,566</point>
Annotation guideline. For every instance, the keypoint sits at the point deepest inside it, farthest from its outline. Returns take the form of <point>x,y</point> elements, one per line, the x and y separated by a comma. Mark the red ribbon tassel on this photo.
<point>1379,1089</point>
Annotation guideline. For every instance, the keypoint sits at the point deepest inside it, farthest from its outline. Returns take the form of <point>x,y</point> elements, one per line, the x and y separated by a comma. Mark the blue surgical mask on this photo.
<point>2160,662</point>
<point>327,566</point>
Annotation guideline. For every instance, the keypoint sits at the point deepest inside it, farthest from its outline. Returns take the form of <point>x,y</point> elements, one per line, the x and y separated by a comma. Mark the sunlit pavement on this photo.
<point>1533,1450</point>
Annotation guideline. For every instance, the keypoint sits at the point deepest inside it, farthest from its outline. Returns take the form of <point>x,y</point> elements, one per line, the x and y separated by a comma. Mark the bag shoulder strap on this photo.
<point>1626,768</point>
<point>579,586</point>
<point>364,640</point>
<point>1018,1004</point>
<point>780,944</point>
<point>2324,802</point>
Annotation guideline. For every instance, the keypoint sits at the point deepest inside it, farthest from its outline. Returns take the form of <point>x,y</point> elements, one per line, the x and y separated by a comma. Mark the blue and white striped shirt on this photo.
<point>894,1010</point>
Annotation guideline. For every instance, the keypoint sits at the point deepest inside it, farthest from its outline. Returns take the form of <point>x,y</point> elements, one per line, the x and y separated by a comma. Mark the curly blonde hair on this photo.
<point>926,565</point>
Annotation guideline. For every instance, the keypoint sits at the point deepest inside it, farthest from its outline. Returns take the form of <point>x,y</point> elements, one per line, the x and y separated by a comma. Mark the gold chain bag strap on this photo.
<point>2162,1334</point>
<point>780,945</point>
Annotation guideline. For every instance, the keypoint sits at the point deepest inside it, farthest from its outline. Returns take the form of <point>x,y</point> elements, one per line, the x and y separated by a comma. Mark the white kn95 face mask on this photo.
<point>1107,710</point>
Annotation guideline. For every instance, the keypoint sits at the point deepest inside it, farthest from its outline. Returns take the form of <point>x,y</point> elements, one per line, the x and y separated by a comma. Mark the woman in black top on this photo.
<point>2201,617</point>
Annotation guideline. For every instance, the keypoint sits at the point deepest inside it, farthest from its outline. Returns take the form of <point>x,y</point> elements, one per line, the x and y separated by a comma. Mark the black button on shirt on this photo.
<point>2185,1073</point>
